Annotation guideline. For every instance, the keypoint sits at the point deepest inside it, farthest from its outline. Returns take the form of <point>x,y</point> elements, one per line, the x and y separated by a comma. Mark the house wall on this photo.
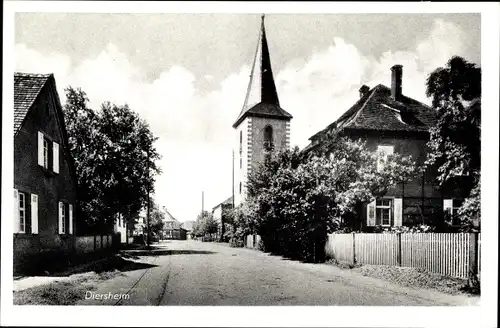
<point>50,187</point>
<point>422,200</point>
<point>217,213</point>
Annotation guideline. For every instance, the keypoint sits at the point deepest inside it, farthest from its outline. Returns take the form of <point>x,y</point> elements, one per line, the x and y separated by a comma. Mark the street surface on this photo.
<point>196,273</point>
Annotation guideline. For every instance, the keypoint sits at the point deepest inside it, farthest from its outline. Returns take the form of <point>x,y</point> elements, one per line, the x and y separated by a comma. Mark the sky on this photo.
<point>187,74</point>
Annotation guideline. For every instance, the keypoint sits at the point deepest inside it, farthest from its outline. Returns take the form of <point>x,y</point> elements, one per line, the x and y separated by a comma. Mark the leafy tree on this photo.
<point>295,201</point>
<point>156,220</point>
<point>205,224</point>
<point>115,161</point>
<point>455,141</point>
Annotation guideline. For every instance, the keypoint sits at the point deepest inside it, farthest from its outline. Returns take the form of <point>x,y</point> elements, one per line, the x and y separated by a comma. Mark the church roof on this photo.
<point>262,97</point>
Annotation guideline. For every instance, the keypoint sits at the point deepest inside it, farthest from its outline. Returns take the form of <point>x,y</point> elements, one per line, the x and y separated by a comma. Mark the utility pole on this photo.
<point>202,202</point>
<point>232,189</point>
<point>148,238</point>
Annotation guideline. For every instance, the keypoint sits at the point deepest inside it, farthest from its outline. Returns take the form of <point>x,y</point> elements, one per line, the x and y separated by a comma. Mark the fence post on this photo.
<point>473,258</point>
<point>353,248</point>
<point>399,248</point>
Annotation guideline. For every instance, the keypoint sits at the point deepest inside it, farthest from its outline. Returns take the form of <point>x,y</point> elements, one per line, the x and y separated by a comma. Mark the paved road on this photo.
<point>196,273</point>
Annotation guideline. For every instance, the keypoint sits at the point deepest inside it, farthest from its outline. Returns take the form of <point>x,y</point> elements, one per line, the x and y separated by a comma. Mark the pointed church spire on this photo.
<point>261,87</point>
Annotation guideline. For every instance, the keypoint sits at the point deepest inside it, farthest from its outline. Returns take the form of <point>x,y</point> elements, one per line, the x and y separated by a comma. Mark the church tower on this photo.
<point>262,123</point>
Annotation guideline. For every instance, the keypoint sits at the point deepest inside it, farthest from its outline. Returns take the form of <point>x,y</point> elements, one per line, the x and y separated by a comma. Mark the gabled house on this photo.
<point>173,228</point>
<point>44,175</point>
<point>391,122</point>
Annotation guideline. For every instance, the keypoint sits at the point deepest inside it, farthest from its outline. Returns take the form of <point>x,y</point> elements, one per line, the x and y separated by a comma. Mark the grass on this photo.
<point>61,292</point>
<point>412,277</point>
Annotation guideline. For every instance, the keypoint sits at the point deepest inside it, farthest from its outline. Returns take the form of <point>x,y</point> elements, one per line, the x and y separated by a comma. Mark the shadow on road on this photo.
<point>110,264</point>
<point>134,254</point>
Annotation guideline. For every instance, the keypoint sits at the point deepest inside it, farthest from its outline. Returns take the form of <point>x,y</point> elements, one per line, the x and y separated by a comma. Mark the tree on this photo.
<point>156,220</point>
<point>295,201</point>
<point>115,161</point>
<point>455,141</point>
<point>205,224</point>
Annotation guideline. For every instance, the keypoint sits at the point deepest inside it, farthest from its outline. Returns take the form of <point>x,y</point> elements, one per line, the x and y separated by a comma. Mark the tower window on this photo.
<point>241,141</point>
<point>240,187</point>
<point>268,137</point>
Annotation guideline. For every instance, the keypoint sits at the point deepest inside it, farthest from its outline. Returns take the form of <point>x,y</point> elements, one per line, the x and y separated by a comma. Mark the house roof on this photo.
<point>27,87</point>
<point>228,201</point>
<point>262,97</point>
<point>378,111</point>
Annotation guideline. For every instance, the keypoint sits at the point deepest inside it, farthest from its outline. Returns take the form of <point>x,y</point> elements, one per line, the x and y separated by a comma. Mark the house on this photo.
<point>391,122</point>
<point>188,226</point>
<point>120,226</point>
<point>44,173</point>
<point>219,214</point>
<point>172,228</point>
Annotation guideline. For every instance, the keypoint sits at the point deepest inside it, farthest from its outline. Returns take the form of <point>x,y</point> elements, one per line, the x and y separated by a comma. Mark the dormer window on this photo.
<point>383,152</point>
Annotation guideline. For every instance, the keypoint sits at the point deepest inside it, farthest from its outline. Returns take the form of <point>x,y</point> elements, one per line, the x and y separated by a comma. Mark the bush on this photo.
<point>236,242</point>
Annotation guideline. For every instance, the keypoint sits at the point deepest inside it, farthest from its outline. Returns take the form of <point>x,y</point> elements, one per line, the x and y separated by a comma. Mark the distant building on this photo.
<point>172,228</point>
<point>219,213</point>
<point>188,226</point>
<point>44,174</point>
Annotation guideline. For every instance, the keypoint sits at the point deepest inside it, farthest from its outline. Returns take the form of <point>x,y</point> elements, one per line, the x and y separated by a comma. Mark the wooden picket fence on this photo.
<point>451,254</point>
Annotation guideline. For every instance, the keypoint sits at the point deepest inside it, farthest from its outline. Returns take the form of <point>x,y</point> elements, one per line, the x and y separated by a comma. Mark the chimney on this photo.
<point>363,90</point>
<point>397,82</point>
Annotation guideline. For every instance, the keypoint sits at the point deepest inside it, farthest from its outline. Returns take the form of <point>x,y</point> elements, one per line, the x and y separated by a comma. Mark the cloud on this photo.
<point>195,126</point>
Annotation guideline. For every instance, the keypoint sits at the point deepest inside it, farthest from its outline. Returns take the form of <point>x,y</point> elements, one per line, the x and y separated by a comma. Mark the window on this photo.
<point>240,187</point>
<point>241,161</point>
<point>241,142</point>
<point>22,212</point>
<point>268,137</point>
<point>384,212</point>
<point>451,207</point>
<point>48,153</point>
<point>63,218</point>
<point>45,153</point>
<point>383,153</point>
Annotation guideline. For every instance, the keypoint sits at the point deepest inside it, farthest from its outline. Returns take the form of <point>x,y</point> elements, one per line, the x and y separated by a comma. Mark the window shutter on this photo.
<point>70,219</point>
<point>34,214</point>
<point>448,206</point>
<point>40,148</point>
<point>370,214</point>
<point>16,211</point>
<point>55,153</point>
<point>61,207</point>
<point>398,212</point>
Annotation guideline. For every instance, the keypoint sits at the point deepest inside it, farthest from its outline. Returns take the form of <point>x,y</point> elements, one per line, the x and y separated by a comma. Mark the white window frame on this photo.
<point>384,207</point>
<point>383,151</point>
<point>22,212</point>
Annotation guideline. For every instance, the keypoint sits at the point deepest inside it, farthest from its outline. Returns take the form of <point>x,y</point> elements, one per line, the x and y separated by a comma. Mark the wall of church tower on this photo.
<point>242,158</point>
<point>281,137</point>
<point>250,152</point>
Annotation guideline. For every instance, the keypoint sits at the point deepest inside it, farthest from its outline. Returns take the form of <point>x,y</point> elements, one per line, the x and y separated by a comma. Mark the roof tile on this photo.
<point>26,89</point>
